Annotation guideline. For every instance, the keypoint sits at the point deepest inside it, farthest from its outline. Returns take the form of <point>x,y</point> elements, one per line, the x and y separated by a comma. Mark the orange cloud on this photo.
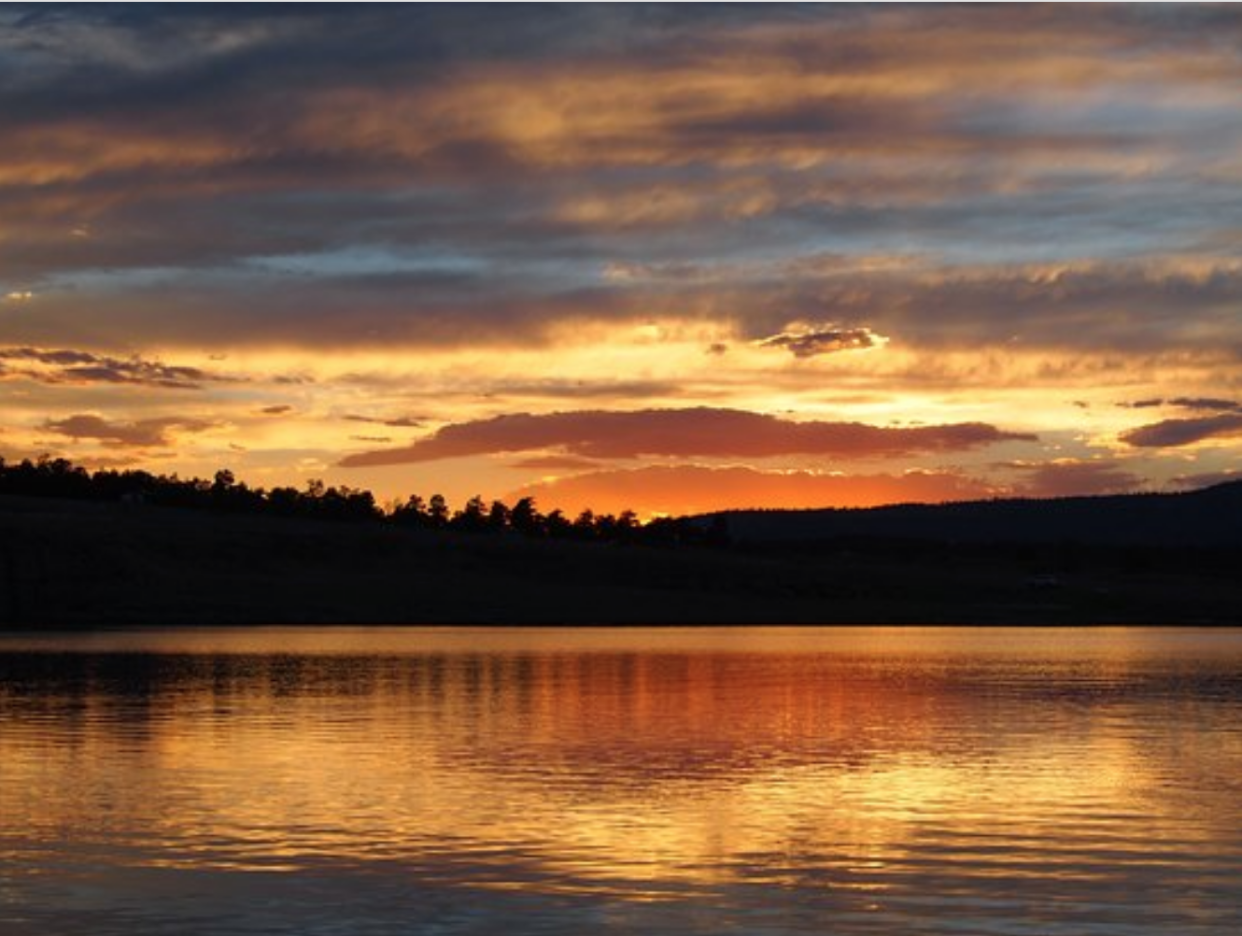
<point>139,434</point>
<point>700,432</point>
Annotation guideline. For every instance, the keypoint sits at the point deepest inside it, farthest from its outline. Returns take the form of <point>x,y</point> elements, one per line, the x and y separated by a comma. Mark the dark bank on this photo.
<point>1157,559</point>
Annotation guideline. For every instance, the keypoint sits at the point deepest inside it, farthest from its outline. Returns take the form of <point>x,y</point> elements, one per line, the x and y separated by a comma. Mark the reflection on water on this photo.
<point>749,781</point>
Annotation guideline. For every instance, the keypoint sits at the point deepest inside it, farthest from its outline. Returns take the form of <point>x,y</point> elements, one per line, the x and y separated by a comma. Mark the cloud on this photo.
<point>279,409</point>
<point>1170,433</point>
<point>1029,199</point>
<point>1075,477</point>
<point>65,366</point>
<point>687,489</point>
<point>698,432</point>
<point>1151,304</point>
<point>804,340</point>
<point>1206,479</point>
<point>1190,403</point>
<point>426,170</point>
<point>396,422</point>
<point>143,433</point>
<point>1206,403</point>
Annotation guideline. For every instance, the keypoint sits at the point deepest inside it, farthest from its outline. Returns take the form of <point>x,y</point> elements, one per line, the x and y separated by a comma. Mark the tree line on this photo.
<point>58,477</point>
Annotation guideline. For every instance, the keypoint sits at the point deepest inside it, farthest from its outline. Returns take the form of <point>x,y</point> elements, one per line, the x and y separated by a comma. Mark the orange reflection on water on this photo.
<point>852,766</point>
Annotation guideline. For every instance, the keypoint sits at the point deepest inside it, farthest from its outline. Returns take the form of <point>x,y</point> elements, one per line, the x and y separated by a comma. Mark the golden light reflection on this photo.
<point>639,771</point>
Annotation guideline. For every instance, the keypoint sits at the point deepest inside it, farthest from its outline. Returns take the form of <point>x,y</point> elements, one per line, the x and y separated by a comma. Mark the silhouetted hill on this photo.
<point>76,563</point>
<point>1209,518</point>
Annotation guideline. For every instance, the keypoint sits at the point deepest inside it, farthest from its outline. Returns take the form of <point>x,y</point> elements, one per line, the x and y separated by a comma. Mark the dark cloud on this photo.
<point>1170,433</point>
<point>143,433</point>
<point>818,119</point>
<point>397,422</point>
<point>1206,403</point>
<point>1075,477</point>
<point>1125,306</point>
<point>1190,403</point>
<point>83,367</point>
<point>681,433</point>
<point>277,410</point>
<point>814,340</point>
<point>290,135</point>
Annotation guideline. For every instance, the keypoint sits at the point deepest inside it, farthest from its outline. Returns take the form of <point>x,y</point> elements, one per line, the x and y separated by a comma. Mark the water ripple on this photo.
<point>822,782</point>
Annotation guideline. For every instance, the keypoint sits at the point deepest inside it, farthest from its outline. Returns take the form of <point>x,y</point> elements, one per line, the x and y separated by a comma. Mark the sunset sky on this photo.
<point>674,258</point>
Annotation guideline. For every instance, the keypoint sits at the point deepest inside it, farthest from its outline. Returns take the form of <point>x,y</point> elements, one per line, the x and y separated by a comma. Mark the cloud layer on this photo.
<point>453,178</point>
<point>143,433</point>
<point>573,234</point>
<point>684,433</point>
<point>1170,433</point>
<point>84,367</point>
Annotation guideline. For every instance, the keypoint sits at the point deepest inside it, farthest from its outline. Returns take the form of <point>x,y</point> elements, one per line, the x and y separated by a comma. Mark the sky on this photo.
<point>672,258</point>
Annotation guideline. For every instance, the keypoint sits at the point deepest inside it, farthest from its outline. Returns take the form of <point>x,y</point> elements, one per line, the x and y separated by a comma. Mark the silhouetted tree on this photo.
<point>626,525</point>
<point>284,501</point>
<point>57,477</point>
<point>663,531</point>
<point>525,518</point>
<point>437,512</point>
<point>498,517</point>
<point>557,524</point>
<point>584,525</point>
<point>472,518</point>
<point>412,513</point>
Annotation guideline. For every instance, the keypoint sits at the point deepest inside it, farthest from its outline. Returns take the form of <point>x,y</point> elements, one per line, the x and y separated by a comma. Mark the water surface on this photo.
<point>759,781</point>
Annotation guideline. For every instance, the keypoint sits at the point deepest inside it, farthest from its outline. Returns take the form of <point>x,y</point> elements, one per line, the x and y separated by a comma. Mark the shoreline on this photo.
<point>74,566</point>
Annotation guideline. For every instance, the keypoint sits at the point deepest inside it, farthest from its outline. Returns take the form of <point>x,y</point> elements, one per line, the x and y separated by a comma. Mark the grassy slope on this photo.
<point>79,564</point>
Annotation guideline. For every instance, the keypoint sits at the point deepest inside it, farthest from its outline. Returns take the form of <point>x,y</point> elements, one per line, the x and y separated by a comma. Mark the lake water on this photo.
<point>757,781</point>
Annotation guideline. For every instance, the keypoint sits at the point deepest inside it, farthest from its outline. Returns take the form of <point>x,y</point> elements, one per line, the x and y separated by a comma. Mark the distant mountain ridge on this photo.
<point>1207,518</point>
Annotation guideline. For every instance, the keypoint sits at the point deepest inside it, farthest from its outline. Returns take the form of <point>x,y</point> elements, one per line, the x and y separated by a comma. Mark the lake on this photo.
<point>554,781</point>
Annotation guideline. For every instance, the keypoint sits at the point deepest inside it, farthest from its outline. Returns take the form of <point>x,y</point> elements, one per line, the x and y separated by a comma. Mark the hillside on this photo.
<point>1209,518</point>
<point>82,564</point>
